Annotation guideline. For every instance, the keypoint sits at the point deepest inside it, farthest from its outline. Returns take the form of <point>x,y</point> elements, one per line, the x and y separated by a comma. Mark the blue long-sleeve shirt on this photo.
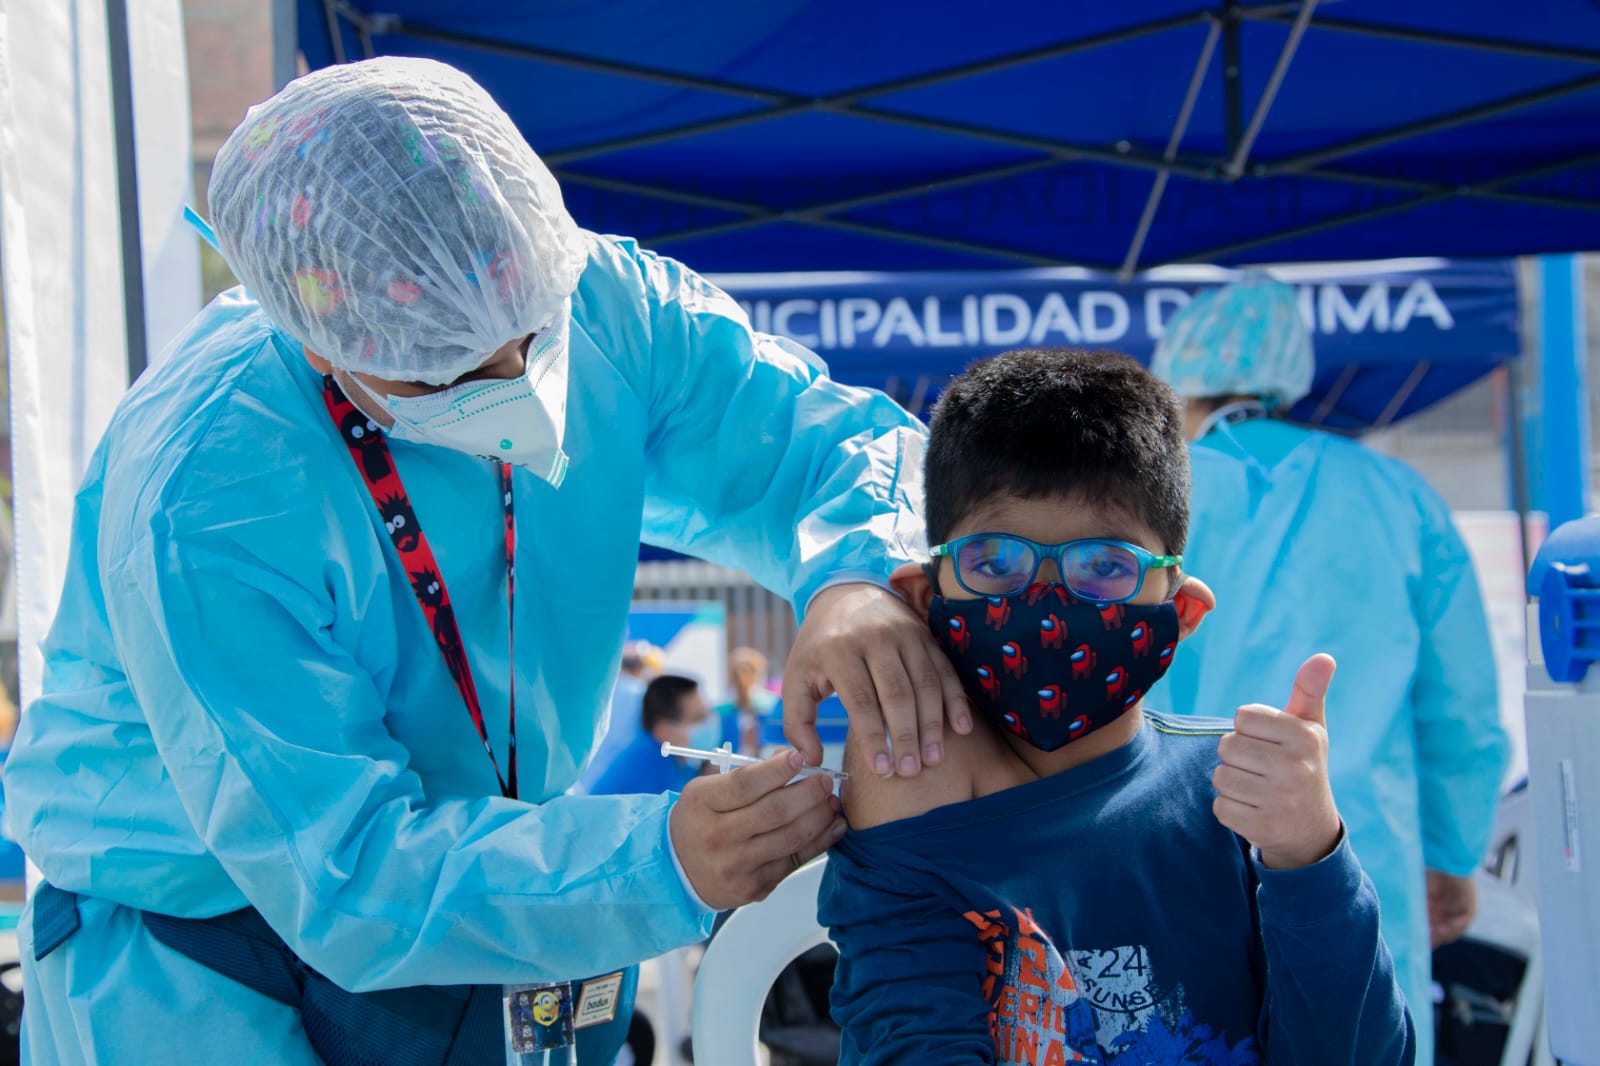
<point>640,770</point>
<point>1104,915</point>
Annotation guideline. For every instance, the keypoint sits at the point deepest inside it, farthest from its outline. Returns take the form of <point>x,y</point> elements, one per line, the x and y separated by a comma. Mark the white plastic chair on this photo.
<point>1508,919</point>
<point>744,960</point>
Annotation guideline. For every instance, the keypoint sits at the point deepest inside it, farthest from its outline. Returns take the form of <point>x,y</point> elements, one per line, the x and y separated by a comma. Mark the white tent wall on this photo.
<point>166,170</point>
<point>59,239</point>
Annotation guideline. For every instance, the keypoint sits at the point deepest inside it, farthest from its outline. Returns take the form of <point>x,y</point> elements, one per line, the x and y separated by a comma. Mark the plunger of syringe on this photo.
<point>724,759</point>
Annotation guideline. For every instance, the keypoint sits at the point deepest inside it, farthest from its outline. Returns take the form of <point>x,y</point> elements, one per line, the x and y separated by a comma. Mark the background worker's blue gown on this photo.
<point>1314,543</point>
<point>243,705</point>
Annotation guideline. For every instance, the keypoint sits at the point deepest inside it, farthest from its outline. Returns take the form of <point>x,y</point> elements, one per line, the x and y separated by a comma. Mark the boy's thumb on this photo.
<point>1309,700</point>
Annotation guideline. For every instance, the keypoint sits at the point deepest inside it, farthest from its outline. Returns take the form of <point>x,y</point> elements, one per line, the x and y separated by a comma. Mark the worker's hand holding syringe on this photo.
<point>740,832</point>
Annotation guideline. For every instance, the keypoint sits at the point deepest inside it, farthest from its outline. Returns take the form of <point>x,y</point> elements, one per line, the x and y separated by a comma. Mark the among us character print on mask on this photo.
<point>1050,668</point>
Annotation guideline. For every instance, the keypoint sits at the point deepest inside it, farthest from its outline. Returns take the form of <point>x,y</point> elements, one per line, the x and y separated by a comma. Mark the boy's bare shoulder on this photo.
<point>969,768</point>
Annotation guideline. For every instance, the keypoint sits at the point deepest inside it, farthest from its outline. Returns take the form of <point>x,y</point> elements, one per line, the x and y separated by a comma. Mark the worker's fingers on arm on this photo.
<point>898,702</point>
<point>800,716</point>
<point>856,690</point>
<point>749,784</point>
<point>930,696</point>
<point>1249,753</point>
<point>957,705</point>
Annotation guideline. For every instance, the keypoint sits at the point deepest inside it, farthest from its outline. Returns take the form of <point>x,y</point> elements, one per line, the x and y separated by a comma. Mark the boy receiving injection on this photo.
<point>1084,880</point>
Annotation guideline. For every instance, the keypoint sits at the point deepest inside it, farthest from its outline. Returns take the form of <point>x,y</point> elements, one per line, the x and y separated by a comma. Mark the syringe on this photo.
<point>724,760</point>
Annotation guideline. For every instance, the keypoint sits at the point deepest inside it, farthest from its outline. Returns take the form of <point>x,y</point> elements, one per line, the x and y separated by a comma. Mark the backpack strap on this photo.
<point>240,945</point>
<point>55,918</point>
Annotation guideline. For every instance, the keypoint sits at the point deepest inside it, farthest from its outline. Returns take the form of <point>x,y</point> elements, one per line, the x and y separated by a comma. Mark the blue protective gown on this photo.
<point>1314,543</point>
<point>243,705</point>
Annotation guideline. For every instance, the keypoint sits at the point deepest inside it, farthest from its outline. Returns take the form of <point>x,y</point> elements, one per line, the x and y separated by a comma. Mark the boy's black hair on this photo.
<point>663,700</point>
<point>1055,421</point>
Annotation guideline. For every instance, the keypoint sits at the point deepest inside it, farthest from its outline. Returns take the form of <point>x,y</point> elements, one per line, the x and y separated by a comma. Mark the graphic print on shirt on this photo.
<point>1098,1006</point>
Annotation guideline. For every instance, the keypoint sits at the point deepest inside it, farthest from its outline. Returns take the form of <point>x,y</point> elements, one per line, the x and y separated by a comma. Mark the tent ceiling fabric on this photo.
<point>893,135</point>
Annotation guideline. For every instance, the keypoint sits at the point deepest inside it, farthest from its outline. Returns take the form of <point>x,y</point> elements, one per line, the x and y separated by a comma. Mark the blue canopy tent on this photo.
<point>895,135</point>
<point>801,135</point>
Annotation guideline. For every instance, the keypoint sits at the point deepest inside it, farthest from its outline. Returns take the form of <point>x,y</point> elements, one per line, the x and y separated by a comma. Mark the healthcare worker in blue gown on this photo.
<point>290,653</point>
<point>1314,543</point>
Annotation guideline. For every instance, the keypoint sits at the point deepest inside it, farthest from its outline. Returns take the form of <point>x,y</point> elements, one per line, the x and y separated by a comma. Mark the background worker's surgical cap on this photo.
<point>1243,339</point>
<point>390,217</point>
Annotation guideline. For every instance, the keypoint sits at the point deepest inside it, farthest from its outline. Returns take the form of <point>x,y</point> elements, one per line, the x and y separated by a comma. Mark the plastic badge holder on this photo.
<point>539,1025</point>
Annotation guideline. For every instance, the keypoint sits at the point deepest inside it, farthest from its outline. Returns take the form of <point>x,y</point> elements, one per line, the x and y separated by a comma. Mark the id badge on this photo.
<point>539,1018</point>
<point>597,1001</point>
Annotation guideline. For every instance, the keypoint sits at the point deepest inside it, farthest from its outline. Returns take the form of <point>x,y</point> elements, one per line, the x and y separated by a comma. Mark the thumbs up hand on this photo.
<point>1272,786</point>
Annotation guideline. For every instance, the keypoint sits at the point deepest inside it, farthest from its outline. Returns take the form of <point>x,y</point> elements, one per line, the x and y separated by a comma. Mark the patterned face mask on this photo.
<point>1050,668</point>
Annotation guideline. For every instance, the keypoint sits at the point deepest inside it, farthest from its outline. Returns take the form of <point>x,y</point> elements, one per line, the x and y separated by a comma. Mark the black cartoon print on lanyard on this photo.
<point>370,451</point>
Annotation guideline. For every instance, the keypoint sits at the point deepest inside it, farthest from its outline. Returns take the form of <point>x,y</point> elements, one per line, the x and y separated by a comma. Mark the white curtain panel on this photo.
<point>60,243</point>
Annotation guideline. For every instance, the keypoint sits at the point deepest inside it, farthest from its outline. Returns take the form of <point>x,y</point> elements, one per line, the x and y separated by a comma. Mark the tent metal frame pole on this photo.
<point>819,214</point>
<point>1402,394</point>
<point>1443,192</point>
<point>1232,71</point>
<point>958,181</point>
<point>1448,40</point>
<point>969,247</point>
<point>1263,12</point>
<point>1479,191</point>
<point>1241,152</point>
<point>285,43</point>
<point>1564,447</point>
<point>561,156</point>
<point>756,216</point>
<point>396,25</point>
<point>1122,154</point>
<point>759,214</point>
<point>1158,188</point>
<point>783,104</point>
<point>1218,252</point>
<point>393,25</point>
<point>1519,454</point>
<point>1331,398</point>
<point>332,15</point>
<point>1018,59</point>
<point>1436,124</point>
<point>121,70</point>
<point>947,243</point>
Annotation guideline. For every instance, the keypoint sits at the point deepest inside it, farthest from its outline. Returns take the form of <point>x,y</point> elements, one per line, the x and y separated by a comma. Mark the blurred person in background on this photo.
<point>752,701</point>
<point>672,712</point>
<point>1315,543</point>
<point>641,661</point>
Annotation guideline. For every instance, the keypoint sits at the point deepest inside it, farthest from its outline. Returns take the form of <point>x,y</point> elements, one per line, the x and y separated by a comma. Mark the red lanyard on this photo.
<point>370,451</point>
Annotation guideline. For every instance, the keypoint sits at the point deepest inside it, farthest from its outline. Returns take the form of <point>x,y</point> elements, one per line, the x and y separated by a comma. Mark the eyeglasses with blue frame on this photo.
<point>1099,570</point>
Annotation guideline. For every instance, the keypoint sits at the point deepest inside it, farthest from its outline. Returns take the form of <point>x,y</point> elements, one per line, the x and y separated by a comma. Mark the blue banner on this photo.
<point>1391,338</point>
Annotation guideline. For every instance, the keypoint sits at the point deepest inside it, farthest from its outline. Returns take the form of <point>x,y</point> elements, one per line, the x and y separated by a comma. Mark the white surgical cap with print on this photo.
<point>390,217</point>
<point>1244,339</point>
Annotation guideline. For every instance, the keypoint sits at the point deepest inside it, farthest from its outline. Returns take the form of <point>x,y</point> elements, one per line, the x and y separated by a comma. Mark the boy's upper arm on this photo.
<point>870,800</point>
